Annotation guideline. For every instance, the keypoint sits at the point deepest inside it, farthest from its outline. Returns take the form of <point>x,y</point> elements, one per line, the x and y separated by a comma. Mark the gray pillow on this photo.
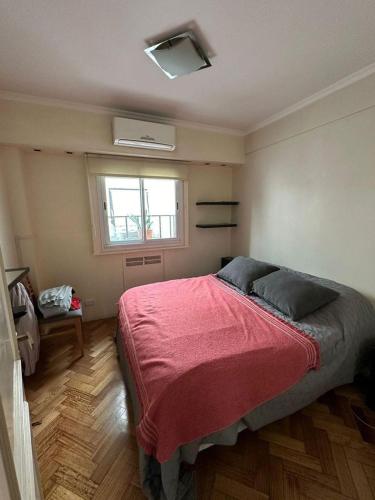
<point>294,296</point>
<point>242,271</point>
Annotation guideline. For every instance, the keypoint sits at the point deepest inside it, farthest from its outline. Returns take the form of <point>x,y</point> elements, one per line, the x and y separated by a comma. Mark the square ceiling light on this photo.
<point>179,55</point>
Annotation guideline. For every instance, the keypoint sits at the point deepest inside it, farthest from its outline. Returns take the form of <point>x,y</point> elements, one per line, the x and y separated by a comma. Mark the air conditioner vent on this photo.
<point>142,260</point>
<point>152,259</point>
<point>140,134</point>
<point>142,269</point>
<point>133,261</point>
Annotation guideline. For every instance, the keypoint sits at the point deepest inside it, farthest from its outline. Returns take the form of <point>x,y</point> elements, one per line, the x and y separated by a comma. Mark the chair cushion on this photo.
<point>77,313</point>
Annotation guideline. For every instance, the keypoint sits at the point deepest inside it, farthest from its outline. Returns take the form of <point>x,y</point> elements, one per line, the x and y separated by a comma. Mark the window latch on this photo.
<point>105,205</point>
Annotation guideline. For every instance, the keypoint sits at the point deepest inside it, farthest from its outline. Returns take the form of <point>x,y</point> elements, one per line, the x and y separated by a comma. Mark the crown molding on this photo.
<point>90,108</point>
<point>340,84</point>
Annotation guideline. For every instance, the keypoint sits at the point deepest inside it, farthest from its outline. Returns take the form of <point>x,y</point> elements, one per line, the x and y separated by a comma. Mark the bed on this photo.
<point>330,340</point>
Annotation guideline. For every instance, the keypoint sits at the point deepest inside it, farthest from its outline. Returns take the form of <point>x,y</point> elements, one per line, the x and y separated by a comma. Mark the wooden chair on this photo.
<point>56,326</point>
<point>66,324</point>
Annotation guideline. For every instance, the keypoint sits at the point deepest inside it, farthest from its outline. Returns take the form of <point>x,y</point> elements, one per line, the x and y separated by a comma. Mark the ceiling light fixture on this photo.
<point>179,55</point>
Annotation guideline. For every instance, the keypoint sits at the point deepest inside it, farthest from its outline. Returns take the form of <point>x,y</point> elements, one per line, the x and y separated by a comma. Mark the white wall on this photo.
<point>57,197</point>
<point>307,191</point>
<point>4,481</point>
<point>48,199</point>
<point>44,126</point>
<point>7,236</point>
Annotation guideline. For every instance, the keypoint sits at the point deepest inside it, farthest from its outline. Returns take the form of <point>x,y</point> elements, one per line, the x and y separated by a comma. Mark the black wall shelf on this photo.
<point>217,203</point>
<point>206,226</point>
<point>230,203</point>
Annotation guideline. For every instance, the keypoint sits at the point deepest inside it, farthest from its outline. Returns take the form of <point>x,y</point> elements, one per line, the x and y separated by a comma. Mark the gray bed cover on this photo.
<point>342,328</point>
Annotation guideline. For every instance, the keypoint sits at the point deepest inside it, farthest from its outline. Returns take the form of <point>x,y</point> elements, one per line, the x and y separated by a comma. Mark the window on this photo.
<point>140,212</point>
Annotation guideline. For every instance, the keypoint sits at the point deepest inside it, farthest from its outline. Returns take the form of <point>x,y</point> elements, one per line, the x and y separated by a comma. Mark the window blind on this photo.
<point>135,167</point>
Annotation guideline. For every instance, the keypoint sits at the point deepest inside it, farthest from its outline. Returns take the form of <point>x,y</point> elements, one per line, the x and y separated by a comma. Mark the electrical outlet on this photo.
<point>89,302</point>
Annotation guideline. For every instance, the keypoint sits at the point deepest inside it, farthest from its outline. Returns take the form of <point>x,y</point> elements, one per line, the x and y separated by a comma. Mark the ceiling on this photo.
<point>268,54</point>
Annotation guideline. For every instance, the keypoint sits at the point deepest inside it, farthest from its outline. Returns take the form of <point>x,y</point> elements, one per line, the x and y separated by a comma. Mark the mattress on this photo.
<point>342,329</point>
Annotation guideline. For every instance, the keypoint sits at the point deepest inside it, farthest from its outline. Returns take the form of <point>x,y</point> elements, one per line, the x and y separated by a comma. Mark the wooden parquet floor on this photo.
<point>86,447</point>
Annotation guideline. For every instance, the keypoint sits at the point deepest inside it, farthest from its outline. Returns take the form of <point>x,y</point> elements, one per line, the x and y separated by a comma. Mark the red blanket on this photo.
<point>202,356</point>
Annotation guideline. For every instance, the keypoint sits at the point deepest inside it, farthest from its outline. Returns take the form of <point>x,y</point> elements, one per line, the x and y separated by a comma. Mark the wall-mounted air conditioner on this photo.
<point>140,134</point>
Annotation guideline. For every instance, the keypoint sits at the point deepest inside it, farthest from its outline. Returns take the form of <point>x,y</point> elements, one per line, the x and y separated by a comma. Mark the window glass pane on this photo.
<point>123,195</point>
<point>160,208</point>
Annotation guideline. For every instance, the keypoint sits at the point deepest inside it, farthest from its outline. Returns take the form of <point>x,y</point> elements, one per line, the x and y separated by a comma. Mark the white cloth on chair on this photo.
<point>55,301</point>
<point>27,325</point>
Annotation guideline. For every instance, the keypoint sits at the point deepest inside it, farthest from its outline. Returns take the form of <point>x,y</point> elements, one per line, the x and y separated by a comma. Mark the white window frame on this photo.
<point>100,229</point>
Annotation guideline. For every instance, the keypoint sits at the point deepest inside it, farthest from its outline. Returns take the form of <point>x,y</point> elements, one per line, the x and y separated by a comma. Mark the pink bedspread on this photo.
<point>202,356</point>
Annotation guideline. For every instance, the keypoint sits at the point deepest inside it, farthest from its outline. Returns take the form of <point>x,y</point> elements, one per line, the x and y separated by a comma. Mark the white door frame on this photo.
<point>8,477</point>
<point>18,468</point>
